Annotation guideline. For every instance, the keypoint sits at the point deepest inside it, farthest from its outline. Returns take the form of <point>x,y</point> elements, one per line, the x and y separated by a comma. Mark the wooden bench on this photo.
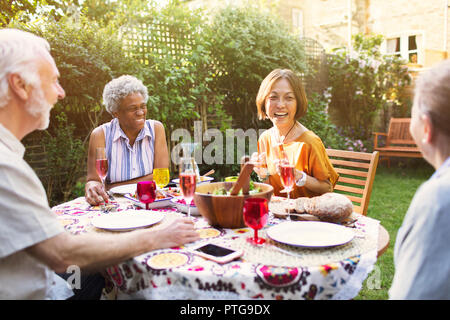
<point>399,142</point>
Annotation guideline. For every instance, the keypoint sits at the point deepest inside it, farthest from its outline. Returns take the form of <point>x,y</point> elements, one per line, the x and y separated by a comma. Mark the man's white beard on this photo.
<point>38,107</point>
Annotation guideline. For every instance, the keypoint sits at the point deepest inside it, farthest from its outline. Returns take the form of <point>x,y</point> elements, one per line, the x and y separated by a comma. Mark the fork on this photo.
<point>110,194</point>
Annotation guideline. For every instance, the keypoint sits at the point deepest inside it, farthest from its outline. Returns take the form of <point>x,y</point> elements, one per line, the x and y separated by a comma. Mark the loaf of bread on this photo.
<point>300,204</point>
<point>330,207</point>
<point>280,207</point>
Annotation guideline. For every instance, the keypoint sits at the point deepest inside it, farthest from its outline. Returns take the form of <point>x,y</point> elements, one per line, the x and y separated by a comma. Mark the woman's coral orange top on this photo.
<point>307,153</point>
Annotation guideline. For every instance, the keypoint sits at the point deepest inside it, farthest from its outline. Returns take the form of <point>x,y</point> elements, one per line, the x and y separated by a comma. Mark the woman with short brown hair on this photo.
<point>282,100</point>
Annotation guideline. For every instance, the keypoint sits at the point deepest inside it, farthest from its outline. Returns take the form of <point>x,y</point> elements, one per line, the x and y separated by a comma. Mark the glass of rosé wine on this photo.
<point>188,180</point>
<point>101,165</point>
<point>286,171</point>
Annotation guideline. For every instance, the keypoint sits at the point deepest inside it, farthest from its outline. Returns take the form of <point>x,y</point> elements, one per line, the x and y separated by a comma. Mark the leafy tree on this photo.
<point>113,12</point>
<point>87,57</point>
<point>22,10</point>
<point>247,44</point>
<point>12,9</point>
<point>179,70</point>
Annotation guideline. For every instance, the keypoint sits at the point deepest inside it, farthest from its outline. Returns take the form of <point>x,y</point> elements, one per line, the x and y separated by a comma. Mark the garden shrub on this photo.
<point>318,120</point>
<point>87,57</point>
<point>364,83</point>
<point>65,155</point>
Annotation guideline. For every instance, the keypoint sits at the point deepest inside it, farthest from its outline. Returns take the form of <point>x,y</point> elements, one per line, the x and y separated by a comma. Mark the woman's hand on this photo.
<point>298,174</point>
<point>260,166</point>
<point>94,193</point>
<point>278,163</point>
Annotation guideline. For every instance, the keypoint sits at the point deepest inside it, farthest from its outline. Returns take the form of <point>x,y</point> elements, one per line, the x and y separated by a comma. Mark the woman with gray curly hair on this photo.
<point>133,145</point>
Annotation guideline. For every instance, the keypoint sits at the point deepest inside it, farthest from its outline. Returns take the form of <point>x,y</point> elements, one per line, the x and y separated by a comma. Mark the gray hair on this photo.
<point>432,95</point>
<point>18,53</point>
<point>119,88</point>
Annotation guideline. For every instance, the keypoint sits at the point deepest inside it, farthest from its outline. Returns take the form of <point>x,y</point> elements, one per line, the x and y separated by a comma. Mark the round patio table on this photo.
<point>273,271</point>
<point>383,240</point>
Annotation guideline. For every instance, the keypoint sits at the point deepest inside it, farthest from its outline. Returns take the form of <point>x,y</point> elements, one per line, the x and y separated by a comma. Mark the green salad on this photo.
<point>223,192</point>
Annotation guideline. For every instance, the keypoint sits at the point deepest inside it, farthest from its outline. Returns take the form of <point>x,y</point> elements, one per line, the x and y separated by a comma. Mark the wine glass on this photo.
<point>259,161</point>
<point>256,212</point>
<point>161,177</point>
<point>188,180</point>
<point>146,192</point>
<point>287,174</point>
<point>101,165</point>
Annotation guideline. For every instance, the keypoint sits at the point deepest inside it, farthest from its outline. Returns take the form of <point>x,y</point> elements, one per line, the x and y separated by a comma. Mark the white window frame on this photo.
<point>297,21</point>
<point>404,41</point>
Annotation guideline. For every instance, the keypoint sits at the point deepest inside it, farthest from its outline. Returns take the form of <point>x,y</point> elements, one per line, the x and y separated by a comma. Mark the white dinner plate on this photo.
<point>311,234</point>
<point>127,220</point>
<point>125,189</point>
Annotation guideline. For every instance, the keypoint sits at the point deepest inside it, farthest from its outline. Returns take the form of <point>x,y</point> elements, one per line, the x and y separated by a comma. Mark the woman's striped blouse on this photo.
<point>127,162</point>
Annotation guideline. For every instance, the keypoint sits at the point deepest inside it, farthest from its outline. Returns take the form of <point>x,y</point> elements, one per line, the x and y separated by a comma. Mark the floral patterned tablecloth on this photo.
<point>273,271</point>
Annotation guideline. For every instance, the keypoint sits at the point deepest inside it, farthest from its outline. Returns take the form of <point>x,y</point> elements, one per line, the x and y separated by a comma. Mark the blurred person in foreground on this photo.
<point>134,145</point>
<point>421,254</point>
<point>34,245</point>
<point>281,99</point>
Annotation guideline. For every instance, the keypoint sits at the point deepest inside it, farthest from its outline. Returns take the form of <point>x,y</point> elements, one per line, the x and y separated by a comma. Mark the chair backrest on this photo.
<point>356,174</point>
<point>398,133</point>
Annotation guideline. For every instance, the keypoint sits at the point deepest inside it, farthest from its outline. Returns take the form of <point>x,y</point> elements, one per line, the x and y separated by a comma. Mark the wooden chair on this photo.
<point>356,174</point>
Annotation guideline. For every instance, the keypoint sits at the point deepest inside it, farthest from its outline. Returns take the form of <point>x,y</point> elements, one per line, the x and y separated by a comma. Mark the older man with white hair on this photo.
<point>33,244</point>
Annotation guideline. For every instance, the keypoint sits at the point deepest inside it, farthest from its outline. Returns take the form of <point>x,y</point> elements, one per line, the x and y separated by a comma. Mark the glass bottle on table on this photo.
<point>188,180</point>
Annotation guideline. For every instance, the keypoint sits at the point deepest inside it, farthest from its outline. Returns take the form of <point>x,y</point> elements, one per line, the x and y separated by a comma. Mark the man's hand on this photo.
<point>179,232</point>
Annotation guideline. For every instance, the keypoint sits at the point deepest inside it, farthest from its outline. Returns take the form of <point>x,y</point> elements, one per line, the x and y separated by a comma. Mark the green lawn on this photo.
<point>392,193</point>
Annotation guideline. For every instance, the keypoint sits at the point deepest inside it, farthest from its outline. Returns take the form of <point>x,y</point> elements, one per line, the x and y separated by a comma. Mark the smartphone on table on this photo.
<point>216,253</point>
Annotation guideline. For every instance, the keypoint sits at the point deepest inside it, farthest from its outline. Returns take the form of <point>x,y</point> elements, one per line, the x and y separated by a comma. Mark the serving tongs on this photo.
<point>210,172</point>
<point>243,181</point>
